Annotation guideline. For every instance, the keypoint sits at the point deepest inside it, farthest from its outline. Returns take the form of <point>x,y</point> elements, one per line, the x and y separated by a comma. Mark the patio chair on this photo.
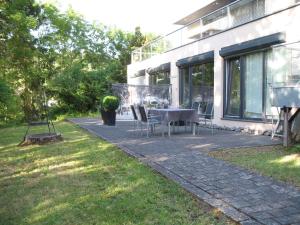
<point>149,120</point>
<point>206,117</point>
<point>196,106</point>
<point>135,117</point>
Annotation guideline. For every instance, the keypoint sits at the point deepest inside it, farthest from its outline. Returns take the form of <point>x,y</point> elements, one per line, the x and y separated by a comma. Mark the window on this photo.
<point>253,86</point>
<point>160,78</point>
<point>197,84</point>
<point>245,87</point>
<point>247,10</point>
<point>283,70</point>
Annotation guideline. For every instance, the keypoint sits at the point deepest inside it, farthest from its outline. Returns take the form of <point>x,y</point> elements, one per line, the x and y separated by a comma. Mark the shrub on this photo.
<point>110,103</point>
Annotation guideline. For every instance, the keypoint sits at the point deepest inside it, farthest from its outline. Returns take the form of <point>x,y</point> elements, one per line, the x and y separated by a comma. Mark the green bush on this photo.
<point>110,103</point>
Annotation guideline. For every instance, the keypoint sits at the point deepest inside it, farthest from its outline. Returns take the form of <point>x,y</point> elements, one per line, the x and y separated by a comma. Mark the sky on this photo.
<point>156,16</point>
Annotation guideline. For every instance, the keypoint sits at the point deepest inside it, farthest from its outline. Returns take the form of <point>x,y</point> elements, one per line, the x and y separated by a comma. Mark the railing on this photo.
<point>232,15</point>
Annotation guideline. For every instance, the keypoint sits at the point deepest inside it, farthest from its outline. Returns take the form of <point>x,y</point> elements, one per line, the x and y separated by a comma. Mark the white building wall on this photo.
<point>286,21</point>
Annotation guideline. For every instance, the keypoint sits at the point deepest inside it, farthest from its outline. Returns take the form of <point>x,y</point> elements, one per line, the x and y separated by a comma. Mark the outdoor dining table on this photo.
<point>175,114</point>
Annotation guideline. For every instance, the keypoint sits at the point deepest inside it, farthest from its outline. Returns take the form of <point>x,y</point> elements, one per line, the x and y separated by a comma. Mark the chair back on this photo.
<point>133,112</point>
<point>209,111</point>
<point>143,113</point>
<point>196,106</point>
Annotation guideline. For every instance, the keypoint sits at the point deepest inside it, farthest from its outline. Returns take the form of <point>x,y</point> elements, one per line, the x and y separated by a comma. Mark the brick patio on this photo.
<point>245,196</point>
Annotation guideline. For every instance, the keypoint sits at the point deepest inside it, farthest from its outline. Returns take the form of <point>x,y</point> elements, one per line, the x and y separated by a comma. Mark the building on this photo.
<point>228,52</point>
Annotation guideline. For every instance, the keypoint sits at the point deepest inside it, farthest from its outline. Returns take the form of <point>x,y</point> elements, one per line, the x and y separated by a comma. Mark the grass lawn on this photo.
<point>274,161</point>
<point>85,180</point>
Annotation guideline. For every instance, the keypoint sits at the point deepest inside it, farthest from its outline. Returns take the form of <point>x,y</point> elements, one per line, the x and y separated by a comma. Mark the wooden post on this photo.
<point>286,127</point>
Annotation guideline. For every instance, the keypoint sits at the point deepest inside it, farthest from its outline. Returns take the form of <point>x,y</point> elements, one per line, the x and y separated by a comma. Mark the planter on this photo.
<point>108,117</point>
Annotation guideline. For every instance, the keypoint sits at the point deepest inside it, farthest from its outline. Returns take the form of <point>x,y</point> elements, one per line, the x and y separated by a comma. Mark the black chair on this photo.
<point>196,106</point>
<point>149,120</point>
<point>135,117</point>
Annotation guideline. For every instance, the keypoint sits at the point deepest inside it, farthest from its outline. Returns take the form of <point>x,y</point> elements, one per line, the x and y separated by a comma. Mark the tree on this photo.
<point>73,61</point>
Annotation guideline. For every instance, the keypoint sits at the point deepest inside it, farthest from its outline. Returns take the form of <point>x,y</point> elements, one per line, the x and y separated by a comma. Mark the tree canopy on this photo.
<point>71,60</point>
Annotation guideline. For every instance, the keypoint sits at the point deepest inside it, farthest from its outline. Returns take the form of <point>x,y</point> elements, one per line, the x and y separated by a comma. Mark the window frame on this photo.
<point>241,57</point>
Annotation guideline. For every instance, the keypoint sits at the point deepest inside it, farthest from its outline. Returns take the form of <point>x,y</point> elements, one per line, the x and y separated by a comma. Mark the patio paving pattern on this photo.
<point>243,195</point>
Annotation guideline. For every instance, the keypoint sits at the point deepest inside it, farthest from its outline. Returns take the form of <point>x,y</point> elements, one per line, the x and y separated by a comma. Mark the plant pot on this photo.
<point>108,117</point>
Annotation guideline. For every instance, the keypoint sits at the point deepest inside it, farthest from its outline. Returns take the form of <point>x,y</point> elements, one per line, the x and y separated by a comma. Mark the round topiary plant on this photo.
<point>110,103</point>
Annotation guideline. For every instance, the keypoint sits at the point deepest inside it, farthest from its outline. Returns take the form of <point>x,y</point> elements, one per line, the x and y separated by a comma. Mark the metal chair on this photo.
<point>196,106</point>
<point>149,120</point>
<point>135,118</point>
<point>206,117</point>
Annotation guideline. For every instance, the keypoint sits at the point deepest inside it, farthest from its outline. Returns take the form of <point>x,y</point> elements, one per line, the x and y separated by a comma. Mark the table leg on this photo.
<point>194,129</point>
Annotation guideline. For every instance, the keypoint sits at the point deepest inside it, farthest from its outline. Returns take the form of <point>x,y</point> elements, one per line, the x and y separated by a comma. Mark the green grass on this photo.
<point>274,161</point>
<point>85,180</point>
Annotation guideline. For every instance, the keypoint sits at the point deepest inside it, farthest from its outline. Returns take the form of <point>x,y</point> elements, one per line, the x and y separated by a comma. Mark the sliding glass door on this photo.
<point>245,85</point>
<point>196,84</point>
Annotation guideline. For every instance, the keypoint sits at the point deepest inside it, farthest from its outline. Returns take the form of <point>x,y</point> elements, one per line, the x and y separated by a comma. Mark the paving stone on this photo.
<point>268,221</point>
<point>241,194</point>
<point>261,215</point>
<point>295,218</point>
<point>286,211</point>
<point>250,222</point>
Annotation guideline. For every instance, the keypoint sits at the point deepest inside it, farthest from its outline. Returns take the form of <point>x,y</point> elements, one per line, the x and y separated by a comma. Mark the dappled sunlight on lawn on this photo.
<point>292,160</point>
<point>41,215</point>
<point>84,180</point>
<point>274,161</point>
<point>117,189</point>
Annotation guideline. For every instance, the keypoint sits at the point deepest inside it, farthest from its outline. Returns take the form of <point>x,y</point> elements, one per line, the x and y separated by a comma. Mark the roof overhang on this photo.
<point>196,59</point>
<point>254,44</point>
<point>161,68</point>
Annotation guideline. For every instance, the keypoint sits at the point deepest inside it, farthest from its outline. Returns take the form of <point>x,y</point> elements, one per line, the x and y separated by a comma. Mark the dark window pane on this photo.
<point>203,85</point>
<point>160,78</point>
<point>163,78</point>
<point>152,79</point>
<point>208,88</point>
<point>197,83</point>
<point>233,88</point>
<point>185,87</point>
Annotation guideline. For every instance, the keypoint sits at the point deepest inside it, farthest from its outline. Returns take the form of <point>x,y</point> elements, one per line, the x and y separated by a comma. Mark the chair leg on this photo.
<point>141,127</point>
<point>147,130</point>
<point>134,127</point>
